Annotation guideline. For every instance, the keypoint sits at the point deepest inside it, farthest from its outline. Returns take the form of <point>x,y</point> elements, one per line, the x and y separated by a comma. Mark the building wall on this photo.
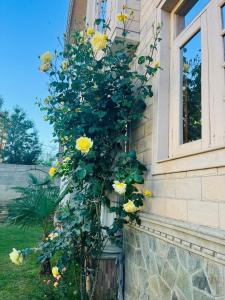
<point>162,264</point>
<point>178,252</point>
<point>197,194</point>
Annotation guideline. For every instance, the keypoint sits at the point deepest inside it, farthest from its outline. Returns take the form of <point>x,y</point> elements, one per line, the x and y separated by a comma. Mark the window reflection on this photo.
<point>223,16</point>
<point>102,14</point>
<point>194,11</point>
<point>223,24</point>
<point>224,47</point>
<point>191,88</point>
<point>188,11</point>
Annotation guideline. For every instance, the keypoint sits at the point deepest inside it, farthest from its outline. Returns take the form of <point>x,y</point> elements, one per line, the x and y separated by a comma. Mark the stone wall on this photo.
<point>13,176</point>
<point>158,270</point>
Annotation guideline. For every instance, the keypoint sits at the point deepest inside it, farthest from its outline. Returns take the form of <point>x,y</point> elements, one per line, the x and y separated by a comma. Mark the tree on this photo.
<point>4,119</point>
<point>22,143</point>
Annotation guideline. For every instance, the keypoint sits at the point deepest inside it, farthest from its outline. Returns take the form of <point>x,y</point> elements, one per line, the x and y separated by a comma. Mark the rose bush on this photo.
<point>95,97</point>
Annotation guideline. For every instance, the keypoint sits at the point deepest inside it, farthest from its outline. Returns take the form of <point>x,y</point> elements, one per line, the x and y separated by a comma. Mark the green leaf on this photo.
<point>129,179</point>
<point>98,21</point>
<point>141,60</point>
<point>80,173</point>
<point>138,178</point>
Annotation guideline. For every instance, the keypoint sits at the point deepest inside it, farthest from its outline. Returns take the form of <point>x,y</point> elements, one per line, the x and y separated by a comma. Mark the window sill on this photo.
<point>205,159</point>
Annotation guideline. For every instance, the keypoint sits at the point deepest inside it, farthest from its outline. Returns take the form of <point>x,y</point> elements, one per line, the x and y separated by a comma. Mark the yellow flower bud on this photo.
<point>90,31</point>
<point>156,64</point>
<point>147,193</point>
<point>52,171</point>
<point>122,17</point>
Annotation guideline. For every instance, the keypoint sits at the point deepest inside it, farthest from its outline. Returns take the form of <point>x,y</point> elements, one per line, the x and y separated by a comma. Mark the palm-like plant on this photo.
<point>35,205</point>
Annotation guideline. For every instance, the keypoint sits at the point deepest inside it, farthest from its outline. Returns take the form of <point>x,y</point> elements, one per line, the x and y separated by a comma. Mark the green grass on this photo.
<point>19,282</point>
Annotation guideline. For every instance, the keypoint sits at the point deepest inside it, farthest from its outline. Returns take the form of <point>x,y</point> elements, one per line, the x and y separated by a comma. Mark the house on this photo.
<point>178,252</point>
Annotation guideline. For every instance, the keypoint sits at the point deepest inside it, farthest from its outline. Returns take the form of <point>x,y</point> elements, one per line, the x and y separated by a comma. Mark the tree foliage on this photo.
<point>4,122</point>
<point>22,143</point>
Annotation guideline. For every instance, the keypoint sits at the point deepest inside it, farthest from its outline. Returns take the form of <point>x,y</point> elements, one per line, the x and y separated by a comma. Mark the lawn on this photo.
<point>18,282</point>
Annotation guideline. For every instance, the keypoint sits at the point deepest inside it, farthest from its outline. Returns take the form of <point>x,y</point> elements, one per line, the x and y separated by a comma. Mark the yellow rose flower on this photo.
<point>99,41</point>
<point>55,271</point>
<point>84,144</point>
<point>90,31</point>
<point>56,284</point>
<point>122,17</point>
<point>52,171</point>
<point>130,207</point>
<point>119,187</point>
<point>147,193</point>
<point>46,57</point>
<point>156,64</point>
<point>45,67</point>
<point>64,65</point>
<point>16,257</point>
<point>186,68</point>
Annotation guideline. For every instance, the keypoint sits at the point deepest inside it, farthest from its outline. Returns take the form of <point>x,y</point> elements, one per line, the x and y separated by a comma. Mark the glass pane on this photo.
<point>102,13</point>
<point>194,11</point>
<point>223,16</point>
<point>224,47</point>
<point>191,88</point>
<point>188,11</point>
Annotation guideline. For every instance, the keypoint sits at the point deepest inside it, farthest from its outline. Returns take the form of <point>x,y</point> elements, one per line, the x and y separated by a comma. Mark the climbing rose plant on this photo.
<point>96,95</point>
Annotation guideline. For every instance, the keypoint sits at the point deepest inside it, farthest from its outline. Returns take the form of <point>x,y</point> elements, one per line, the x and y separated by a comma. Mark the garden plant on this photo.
<point>95,95</point>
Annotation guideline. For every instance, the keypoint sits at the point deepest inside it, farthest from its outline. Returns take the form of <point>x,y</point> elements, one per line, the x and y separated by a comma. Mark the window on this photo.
<point>223,16</point>
<point>191,88</point>
<point>191,97</point>
<point>223,27</point>
<point>102,10</point>
<point>188,10</point>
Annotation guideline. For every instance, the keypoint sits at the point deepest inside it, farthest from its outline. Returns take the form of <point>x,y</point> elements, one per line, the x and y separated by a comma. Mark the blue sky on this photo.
<point>27,29</point>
